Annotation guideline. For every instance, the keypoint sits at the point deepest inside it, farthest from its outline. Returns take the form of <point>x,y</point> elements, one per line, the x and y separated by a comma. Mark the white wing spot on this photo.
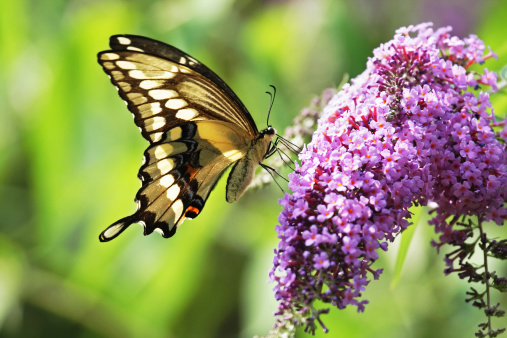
<point>163,151</point>
<point>137,98</point>
<point>117,75</point>
<point>167,181</point>
<point>135,49</point>
<point>149,84</point>
<point>187,114</point>
<point>177,208</point>
<point>183,60</point>
<point>176,103</point>
<point>125,86</point>
<point>175,69</point>
<point>165,166</point>
<point>162,94</point>
<point>167,149</point>
<point>126,65</point>
<point>108,65</point>
<point>173,192</point>
<point>124,41</point>
<point>156,136</point>
<point>109,56</point>
<point>151,74</point>
<point>154,123</point>
<point>110,232</point>
<point>149,109</point>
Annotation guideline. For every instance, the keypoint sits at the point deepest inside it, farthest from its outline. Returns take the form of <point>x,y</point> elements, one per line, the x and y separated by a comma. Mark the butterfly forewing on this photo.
<point>162,50</point>
<point>162,92</point>
<point>195,124</point>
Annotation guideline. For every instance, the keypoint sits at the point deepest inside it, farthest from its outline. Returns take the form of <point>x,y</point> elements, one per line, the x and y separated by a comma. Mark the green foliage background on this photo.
<point>70,155</point>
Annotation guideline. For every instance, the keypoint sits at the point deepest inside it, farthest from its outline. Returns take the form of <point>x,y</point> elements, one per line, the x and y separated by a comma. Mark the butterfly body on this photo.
<point>243,170</point>
<point>196,126</point>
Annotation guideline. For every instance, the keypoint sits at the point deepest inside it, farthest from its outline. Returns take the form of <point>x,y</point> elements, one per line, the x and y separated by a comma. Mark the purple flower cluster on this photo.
<point>413,128</point>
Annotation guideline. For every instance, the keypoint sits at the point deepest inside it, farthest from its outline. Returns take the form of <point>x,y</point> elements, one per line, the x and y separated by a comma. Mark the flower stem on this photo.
<point>486,271</point>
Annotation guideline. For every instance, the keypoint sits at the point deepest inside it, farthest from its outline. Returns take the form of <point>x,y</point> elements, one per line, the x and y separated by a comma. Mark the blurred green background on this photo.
<point>70,155</point>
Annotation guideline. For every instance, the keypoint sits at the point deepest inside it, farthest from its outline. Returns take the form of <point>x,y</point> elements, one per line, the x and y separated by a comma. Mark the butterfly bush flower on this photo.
<point>415,127</point>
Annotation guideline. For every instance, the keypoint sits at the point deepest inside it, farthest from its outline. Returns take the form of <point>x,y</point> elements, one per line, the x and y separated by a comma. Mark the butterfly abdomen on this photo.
<point>243,170</point>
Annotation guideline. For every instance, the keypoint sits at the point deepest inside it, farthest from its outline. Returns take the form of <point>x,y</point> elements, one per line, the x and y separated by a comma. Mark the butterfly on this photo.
<point>196,128</point>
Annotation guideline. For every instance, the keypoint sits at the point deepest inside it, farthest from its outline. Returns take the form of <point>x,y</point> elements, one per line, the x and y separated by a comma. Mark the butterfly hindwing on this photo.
<point>179,172</point>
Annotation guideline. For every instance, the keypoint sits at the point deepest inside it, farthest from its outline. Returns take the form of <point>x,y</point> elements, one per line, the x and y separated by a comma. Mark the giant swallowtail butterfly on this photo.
<point>195,124</point>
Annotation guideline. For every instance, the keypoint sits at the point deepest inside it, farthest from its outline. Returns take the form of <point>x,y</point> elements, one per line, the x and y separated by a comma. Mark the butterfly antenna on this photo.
<point>272,100</point>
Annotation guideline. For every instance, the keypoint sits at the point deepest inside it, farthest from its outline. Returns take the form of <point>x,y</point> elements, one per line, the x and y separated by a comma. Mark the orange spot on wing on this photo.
<point>192,209</point>
<point>191,172</point>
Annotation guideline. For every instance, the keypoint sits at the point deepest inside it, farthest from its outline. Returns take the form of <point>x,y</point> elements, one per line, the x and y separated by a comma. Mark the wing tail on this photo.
<point>116,228</point>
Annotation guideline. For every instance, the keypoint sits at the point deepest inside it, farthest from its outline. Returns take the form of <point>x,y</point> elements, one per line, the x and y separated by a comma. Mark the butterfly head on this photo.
<point>270,131</point>
<point>266,146</point>
<point>267,135</point>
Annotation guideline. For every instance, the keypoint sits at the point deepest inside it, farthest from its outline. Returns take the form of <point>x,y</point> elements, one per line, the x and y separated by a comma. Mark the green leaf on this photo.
<point>406,239</point>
